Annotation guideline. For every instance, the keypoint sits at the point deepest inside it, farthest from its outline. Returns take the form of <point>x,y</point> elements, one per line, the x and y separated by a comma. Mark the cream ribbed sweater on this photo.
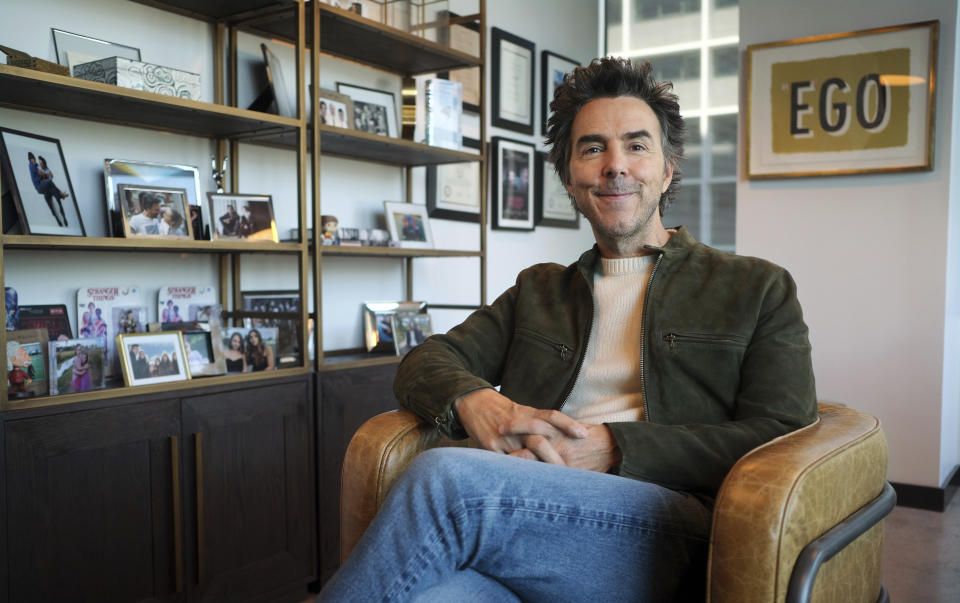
<point>607,389</point>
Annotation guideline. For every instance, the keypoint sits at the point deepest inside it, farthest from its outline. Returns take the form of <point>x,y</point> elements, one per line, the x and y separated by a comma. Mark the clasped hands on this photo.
<point>497,423</point>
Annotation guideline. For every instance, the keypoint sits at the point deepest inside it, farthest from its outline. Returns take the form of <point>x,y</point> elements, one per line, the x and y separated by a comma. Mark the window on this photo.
<point>694,44</point>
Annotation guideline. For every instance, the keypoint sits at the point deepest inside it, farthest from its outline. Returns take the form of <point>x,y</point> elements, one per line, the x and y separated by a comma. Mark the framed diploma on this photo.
<point>453,191</point>
<point>513,64</point>
<point>553,205</point>
<point>512,165</point>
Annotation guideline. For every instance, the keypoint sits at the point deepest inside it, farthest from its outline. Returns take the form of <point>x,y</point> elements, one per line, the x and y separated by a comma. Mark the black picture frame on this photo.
<point>552,66</point>
<point>37,205</point>
<point>553,206</point>
<point>445,201</point>
<point>369,107</point>
<point>278,85</point>
<point>512,184</point>
<point>514,64</point>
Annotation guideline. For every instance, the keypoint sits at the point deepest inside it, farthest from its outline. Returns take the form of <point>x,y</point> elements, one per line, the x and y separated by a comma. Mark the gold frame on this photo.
<point>854,161</point>
<point>128,379</point>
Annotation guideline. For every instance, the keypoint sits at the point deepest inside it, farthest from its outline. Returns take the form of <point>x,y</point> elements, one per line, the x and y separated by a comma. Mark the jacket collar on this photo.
<point>680,243</point>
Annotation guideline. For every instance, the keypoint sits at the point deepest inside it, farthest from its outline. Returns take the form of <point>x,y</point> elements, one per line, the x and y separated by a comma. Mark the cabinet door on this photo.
<point>90,505</point>
<point>251,464</point>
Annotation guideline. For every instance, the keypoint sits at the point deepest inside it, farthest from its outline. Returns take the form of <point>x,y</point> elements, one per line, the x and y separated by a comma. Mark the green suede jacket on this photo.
<point>725,359</point>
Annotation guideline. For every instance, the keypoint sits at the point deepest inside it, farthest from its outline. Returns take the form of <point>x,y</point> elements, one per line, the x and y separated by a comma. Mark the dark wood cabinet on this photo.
<point>207,497</point>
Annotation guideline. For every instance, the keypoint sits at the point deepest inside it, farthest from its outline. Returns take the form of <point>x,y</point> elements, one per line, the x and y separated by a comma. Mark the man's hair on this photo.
<point>30,155</point>
<point>148,200</point>
<point>610,77</point>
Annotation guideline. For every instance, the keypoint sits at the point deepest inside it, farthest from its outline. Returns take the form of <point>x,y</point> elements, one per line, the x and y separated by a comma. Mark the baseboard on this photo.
<point>928,497</point>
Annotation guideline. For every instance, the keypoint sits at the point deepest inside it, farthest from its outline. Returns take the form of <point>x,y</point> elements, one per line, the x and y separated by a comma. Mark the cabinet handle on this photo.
<point>177,512</point>
<point>198,445</point>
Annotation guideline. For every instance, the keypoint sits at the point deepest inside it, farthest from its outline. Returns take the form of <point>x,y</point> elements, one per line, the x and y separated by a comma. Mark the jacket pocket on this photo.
<point>549,344</point>
<point>676,340</point>
<point>537,368</point>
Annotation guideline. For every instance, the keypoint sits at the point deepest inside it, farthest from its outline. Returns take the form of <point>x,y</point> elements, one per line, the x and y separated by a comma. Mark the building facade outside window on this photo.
<point>694,44</point>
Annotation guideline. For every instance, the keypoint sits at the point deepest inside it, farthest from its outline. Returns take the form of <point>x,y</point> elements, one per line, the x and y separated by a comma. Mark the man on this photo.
<point>652,358</point>
<point>148,220</point>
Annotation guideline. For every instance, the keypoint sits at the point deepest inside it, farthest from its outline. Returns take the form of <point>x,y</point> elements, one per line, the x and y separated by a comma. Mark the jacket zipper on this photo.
<point>583,353</point>
<point>645,408</point>
<point>561,348</point>
<point>674,339</point>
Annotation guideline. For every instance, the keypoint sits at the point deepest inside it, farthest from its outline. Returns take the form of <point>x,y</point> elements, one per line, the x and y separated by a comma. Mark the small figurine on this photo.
<point>216,174</point>
<point>330,236</point>
<point>19,375</point>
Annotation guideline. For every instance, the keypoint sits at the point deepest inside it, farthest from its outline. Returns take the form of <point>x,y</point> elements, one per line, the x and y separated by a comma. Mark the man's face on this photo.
<point>153,211</point>
<point>617,169</point>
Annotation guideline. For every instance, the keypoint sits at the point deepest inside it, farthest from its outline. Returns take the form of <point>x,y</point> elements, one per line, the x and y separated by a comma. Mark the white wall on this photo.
<point>870,254</point>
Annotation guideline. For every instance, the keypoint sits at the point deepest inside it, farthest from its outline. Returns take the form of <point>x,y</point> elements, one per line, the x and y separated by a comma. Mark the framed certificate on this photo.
<point>513,64</point>
<point>453,191</point>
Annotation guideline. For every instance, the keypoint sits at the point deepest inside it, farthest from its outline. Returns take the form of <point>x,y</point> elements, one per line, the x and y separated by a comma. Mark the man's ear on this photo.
<point>667,176</point>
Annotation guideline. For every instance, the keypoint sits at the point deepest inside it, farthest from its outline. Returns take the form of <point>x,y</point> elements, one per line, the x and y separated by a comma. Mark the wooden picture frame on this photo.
<point>453,191</point>
<point>512,186</point>
<point>553,205</point>
<point>171,219</point>
<point>374,111</point>
<point>44,205</point>
<point>513,74</point>
<point>148,358</point>
<point>336,110</point>
<point>253,222</point>
<point>553,67</point>
<point>409,224</point>
<point>844,103</point>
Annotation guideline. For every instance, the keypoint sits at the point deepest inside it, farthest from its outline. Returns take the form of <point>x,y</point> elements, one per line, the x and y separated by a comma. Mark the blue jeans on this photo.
<point>470,525</point>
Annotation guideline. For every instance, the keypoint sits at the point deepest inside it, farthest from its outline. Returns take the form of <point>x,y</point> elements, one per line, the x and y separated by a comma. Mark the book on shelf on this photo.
<point>439,110</point>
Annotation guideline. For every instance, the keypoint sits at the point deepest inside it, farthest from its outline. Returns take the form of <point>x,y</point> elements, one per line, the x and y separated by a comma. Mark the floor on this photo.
<point>922,555</point>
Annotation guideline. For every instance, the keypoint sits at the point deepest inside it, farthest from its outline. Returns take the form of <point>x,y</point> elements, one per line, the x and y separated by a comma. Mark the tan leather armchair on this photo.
<point>796,519</point>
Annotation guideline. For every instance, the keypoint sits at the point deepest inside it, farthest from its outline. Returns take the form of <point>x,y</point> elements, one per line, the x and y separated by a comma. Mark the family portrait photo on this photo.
<point>153,358</point>
<point>242,217</point>
<point>374,111</point>
<point>153,211</point>
<point>36,174</point>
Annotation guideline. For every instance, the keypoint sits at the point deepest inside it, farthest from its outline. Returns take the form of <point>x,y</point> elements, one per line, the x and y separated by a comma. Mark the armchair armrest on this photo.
<point>783,495</point>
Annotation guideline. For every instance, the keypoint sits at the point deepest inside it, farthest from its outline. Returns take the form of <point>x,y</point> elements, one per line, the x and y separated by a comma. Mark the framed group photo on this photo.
<point>553,205</point>
<point>843,103</point>
<point>148,358</point>
<point>284,310</point>
<point>154,212</point>
<point>552,71</point>
<point>242,217</point>
<point>512,175</point>
<point>151,175</point>
<point>335,109</point>
<point>374,111</point>
<point>512,94</point>
<point>408,223</point>
<point>453,191</point>
<point>35,173</point>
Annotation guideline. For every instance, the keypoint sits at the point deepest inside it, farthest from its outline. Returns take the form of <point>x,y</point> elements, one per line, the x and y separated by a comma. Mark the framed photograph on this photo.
<point>285,105</point>
<point>512,95</point>
<point>378,324</point>
<point>408,223</point>
<point>453,191</point>
<point>201,354</point>
<point>51,317</point>
<point>284,307</point>
<point>247,350</point>
<point>74,49</point>
<point>374,111</point>
<point>36,176</point>
<point>335,109</point>
<point>149,358</point>
<point>144,173</point>
<point>207,321</point>
<point>553,206</point>
<point>239,217</point>
<point>27,363</point>
<point>409,330</point>
<point>77,365</point>
<point>845,103</point>
<point>512,184</point>
<point>155,212</point>
<point>553,68</point>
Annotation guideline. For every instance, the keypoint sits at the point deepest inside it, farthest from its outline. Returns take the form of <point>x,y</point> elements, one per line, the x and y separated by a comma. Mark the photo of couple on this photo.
<point>155,211</point>
<point>41,186</point>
